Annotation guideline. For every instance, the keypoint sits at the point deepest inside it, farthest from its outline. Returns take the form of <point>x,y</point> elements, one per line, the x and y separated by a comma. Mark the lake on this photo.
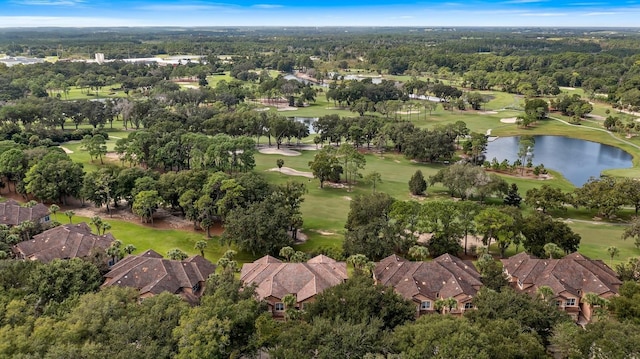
<point>577,160</point>
<point>309,121</point>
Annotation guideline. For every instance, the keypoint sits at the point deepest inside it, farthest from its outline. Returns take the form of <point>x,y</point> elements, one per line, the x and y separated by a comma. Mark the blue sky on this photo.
<point>90,13</point>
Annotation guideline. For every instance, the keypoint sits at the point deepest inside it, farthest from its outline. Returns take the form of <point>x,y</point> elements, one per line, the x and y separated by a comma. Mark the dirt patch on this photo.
<point>412,112</point>
<point>300,236</point>
<point>281,151</point>
<point>509,120</point>
<point>528,173</point>
<point>347,198</point>
<point>162,219</point>
<point>291,172</point>
<point>335,185</point>
<point>288,108</point>
<point>324,233</point>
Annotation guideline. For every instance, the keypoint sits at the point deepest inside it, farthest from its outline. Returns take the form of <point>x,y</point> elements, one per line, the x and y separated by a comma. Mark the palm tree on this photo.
<point>96,221</point>
<point>287,252</point>
<point>419,253</point>
<point>201,245</point>
<point>289,302</point>
<point>69,215</point>
<point>54,208</point>
<point>177,254</point>
<point>105,227</point>
<point>596,303</point>
<point>448,304</point>
<point>114,251</point>
<point>227,264</point>
<point>545,292</point>
<point>358,261</point>
<point>552,250</point>
<point>129,248</point>
<point>370,266</point>
<point>613,252</point>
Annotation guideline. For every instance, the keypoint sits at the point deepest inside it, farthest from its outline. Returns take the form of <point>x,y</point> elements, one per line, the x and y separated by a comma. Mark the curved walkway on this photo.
<point>597,129</point>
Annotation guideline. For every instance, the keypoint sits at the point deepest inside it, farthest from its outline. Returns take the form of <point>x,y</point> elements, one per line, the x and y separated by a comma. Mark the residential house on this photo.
<point>63,242</point>
<point>570,278</point>
<point>12,213</point>
<point>275,279</point>
<point>426,283</point>
<point>151,275</point>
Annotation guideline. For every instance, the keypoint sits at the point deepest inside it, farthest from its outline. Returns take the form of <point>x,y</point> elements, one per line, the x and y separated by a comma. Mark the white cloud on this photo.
<point>66,21</point>
<point>523,1</point>
<point>184,7</point>
<point>267,6</point>
<point>599,13</point>
<point>544,14</point>
<point>49,2</point>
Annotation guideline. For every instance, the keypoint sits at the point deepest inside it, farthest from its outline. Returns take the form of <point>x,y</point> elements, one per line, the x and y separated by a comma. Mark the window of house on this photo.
<point>558,303</point>
<point>425,305</point>
<point>196,287</point>
<point>570,302</point>
<point>279,307</point>
<point>519,283</point>
<point>468,305</point>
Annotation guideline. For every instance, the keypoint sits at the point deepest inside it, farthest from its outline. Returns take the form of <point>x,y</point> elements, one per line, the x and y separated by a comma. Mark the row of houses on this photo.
<point>445,277</point>
<point>148,272</point>
<point>424,283</point>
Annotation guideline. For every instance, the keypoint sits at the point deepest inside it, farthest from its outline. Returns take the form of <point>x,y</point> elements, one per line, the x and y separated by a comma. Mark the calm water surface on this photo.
<point>577,160</point>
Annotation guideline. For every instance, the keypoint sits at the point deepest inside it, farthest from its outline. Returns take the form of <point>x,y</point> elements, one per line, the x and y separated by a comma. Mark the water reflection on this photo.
<point>576,159</point>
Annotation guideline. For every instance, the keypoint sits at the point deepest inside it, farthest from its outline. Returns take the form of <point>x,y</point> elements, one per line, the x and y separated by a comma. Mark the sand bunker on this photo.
<point>66,150</point>
<point>509,120</point>
<point>291,172</point>
<point>487,112</point>
<point>282,151</point>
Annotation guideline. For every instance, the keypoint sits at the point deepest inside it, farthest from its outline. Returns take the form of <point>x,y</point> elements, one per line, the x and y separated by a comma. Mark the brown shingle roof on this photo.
<point>446,276</point>
<point>150,273</point>
<point>66,241</point>
<point>574,274</point>
<point>274,278</point>
<point>12,214</point>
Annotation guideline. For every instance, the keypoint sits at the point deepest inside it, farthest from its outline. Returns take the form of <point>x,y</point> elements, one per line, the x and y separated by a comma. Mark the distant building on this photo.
<point>63,242</point>
<point>570,278</point>
<point>275,279</point>
<point>20,60</point>
<point>151,275</point>
<point>12,213</point>
<point>425,283</point>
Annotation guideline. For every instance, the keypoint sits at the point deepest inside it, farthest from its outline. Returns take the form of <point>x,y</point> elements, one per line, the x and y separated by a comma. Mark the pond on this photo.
<point>577,160</point>
<point>309,121</point>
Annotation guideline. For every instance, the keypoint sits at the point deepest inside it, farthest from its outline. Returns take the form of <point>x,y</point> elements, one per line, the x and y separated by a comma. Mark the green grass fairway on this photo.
<point>145,237</point>
<point>325,210</point>
<point>596,238</point>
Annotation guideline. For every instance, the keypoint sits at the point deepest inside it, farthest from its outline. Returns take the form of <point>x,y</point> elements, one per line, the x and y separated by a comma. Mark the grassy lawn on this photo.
<point>145,237</point>
<point>325,210</point>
